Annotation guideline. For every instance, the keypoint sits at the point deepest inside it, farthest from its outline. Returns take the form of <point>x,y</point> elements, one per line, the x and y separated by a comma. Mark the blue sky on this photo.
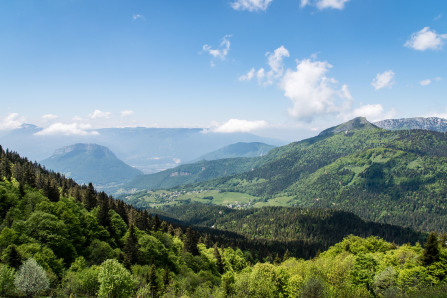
<point>278,68</point>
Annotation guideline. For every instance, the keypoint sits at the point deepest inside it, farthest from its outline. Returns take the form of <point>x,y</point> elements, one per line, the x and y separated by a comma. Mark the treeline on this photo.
<point>322,226</point>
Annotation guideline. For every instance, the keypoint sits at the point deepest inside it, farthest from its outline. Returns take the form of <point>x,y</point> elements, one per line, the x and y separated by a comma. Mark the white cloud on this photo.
<point>372,112</point>
<point>99,114</point>
<point>323,4</point>
<point>248,76</point>
<point>237,125</point>
<point>312,92</point>
<point>138,17</point>
<point>275,61</point>
<point>276,64</point>
<point>12,121</point>
<point>251,5</point>
<point>126,113</point>
<point>223,49</point>
<point>425,82</point>
<point>426,39</point>
<point>67,129</point>
<point>384,79</point>
<point>48,117</point>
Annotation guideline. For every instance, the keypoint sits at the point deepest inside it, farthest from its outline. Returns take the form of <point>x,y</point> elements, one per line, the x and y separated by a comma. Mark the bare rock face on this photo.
<point>429,123</point>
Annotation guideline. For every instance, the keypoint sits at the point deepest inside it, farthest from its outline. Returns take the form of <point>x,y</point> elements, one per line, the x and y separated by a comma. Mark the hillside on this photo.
<point>86,163</point>
<point>241,149</point>
<point>395,177</point>
<point>429,123</point>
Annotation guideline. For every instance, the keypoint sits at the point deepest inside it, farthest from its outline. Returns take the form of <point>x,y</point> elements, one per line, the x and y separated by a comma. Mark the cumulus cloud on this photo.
<point>372,112</point>
<point>67,129</point>
<point>12,121</point>
<point>312,92</point>
<point>383,80</point>
<point>323,4</point>
<point>237,125</point>
<point>220,52</point>
<point>426,39</point>
<point>251,5</point>
<point>126,113</point>
<point>99,114</point>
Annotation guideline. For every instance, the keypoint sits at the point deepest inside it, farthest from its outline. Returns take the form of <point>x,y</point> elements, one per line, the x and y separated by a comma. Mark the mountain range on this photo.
<point>148,149</point>
<point>389,176</point>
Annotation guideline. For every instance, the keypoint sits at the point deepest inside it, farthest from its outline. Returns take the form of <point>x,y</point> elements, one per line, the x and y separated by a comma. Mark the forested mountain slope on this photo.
<point>396,177</point>
<point>321,225</point>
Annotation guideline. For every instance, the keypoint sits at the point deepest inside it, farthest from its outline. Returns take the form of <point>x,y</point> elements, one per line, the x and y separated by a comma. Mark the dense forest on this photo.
<point>60,239</point>
<point>321,226</point>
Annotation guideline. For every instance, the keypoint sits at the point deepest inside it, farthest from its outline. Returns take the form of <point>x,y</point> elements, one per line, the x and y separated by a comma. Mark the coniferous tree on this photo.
<point>190,242</point>
<point>11,257</point>
<point>152,280</point>
<point>431,250</point>
<point>218,257</point>
<point>90,197</point>
<point>103,215</point>
<point>131,248</point>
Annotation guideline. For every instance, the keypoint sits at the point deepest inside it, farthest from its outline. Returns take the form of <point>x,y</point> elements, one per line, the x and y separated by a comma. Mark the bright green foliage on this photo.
<point>114,280</point>
<point>7,275</point>
<point>31,278</point>
<point>363,271</point>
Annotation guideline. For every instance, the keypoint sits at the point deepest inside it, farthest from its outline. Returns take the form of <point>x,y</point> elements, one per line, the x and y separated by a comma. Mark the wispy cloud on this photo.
<point>136,17</point>
<point>220,52</point>
<point>12,121</point>
<point>48,117</point>
<point>238,125</point>
<point>383,80</point>
<point>126,113</point>
<point>324,4</point>
<point>67,129</point>
<point>426,39</point>
<point>99,114</point>
<point>251,5</point>
<point>425,82</point>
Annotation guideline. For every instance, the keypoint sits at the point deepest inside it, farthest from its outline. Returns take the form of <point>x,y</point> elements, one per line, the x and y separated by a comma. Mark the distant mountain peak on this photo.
<point>427,123</point>
<point>359,123</point>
